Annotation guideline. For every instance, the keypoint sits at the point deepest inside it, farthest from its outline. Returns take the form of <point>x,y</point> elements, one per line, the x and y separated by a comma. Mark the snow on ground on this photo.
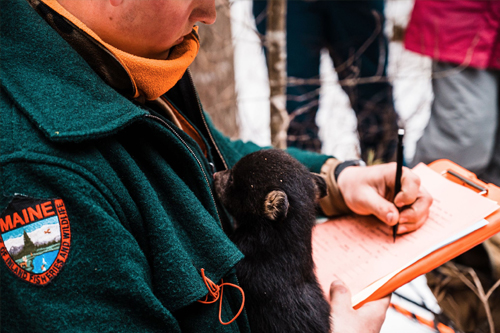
<point>412,95</point>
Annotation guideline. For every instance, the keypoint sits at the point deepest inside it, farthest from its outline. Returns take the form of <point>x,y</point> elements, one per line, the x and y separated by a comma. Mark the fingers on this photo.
<point>384,210</point>
<point>370,190</point>
<point>340,296</point>
<point>377,311</point>
<point>410,187</point>
<point>413,201</point>
<point>344,319</point>
<point>364,191</point>
<point>413,217</point>
<point>342,312</point>
<point>378,306</point>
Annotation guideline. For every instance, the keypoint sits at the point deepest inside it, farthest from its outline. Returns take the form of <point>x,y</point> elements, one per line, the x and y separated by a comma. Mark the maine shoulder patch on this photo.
<point>35,238</point>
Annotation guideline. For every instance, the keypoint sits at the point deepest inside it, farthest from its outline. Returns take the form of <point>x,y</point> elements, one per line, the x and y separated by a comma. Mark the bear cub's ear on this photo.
<point>276,205</point>
<point>319,185</point>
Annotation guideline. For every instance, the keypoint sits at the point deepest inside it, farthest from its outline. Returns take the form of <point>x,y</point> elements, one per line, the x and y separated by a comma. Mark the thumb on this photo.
<point>384,210</point>
<point>340,297</point>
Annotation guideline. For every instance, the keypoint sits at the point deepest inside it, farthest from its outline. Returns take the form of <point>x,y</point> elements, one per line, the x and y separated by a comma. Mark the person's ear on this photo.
<point>276,205</point>
<point>319,185</point>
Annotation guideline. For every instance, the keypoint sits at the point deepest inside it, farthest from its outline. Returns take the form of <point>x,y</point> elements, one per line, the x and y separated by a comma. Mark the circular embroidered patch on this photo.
<point>35,238</point>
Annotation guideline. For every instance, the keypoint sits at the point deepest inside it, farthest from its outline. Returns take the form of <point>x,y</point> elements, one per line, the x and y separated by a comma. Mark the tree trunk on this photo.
<point>213,72</point>
<point>276,46</point>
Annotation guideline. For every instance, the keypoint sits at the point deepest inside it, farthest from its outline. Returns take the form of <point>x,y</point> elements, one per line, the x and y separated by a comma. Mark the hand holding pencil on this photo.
<point>371,191</point>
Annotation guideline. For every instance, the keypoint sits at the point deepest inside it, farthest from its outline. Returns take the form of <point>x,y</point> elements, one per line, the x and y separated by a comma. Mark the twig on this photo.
<point>478,290</point>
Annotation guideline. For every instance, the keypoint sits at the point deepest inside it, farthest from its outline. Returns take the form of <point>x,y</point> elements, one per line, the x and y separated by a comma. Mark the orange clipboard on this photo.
<point>457,174</point>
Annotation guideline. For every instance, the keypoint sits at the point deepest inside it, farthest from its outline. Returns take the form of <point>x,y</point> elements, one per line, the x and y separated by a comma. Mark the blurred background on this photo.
<point>231,76</point>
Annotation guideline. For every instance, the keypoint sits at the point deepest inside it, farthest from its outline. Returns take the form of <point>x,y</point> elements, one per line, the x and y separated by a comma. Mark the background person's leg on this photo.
<point>492,172</point>
<point>463,120</point>
<point>359,50</point>
<point>305,39</point>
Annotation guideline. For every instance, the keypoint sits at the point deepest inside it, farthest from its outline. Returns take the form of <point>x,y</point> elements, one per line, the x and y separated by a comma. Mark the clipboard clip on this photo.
<point>482,190</point>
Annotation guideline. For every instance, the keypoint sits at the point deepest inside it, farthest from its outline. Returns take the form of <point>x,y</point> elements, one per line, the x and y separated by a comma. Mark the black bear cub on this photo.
<point>272,198</point>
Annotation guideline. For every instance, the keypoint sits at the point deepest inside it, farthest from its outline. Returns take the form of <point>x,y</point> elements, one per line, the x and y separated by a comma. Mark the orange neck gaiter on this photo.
<point>151,77</point>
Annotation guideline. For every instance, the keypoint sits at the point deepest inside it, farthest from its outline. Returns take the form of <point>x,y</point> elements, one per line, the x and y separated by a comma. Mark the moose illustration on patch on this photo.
<point>35,238</point>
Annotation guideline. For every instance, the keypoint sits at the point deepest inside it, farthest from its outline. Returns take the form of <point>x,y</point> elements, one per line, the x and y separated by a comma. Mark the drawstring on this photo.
<point>213,292</point>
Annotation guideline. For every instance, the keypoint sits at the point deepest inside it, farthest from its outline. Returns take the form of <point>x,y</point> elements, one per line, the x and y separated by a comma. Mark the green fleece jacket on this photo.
<point>129,194</point>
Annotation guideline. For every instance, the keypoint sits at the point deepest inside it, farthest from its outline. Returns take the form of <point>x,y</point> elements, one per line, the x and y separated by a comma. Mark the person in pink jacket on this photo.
<point>463,39</point>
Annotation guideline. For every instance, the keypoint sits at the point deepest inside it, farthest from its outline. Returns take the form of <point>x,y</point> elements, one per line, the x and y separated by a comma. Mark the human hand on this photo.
<point>344,319</point>
<point>370,190</point>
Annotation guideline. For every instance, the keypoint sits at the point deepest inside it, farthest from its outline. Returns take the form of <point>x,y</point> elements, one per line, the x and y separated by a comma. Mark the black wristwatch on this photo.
<point>345,164</point>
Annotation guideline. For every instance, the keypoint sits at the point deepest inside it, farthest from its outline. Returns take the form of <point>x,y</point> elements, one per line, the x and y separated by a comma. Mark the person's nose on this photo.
<point>204,12</point>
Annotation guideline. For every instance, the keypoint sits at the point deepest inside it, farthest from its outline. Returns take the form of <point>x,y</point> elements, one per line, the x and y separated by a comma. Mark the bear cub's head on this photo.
<point>266,186</point>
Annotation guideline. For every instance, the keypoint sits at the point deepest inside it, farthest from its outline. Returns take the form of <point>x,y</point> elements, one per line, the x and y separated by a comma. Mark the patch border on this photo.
<point>41,279</point>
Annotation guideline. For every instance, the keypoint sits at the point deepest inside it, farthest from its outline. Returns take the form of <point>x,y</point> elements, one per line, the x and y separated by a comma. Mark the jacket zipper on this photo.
<point>204,120</point>
<point>198,161</point>
<point>164,123</point>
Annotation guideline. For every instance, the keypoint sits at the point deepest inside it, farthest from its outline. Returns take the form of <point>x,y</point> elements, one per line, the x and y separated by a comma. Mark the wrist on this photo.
<point>333,204</point>
<point>341,166</point>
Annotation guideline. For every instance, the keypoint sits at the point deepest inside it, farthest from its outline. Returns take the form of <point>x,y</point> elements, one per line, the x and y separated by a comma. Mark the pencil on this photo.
<point>399,172</point>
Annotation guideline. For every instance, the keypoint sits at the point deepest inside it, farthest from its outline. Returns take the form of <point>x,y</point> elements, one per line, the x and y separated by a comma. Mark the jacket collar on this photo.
<point>51,83</point>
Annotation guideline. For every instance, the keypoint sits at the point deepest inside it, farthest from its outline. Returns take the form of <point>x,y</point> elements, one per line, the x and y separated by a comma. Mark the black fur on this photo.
<point>272,198</point>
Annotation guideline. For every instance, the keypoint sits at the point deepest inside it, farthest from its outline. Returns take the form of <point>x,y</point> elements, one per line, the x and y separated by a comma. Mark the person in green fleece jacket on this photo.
<point>108,216</point>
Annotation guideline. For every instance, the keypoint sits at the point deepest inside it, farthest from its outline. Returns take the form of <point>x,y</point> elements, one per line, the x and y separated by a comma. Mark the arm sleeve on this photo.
<point>333,204</point>
<point>106,280</point>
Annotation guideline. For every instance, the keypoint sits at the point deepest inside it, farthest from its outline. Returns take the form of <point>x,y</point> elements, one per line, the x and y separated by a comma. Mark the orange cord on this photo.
<point>213,291</point>
<point>440,327</point>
